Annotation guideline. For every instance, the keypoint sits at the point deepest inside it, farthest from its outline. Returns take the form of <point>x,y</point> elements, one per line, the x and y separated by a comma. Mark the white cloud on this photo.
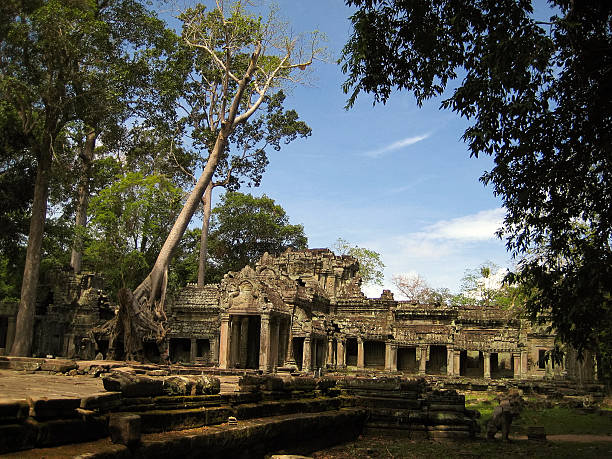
<point>396,146</point>
<point>477,227</point>
<point>440,252</point>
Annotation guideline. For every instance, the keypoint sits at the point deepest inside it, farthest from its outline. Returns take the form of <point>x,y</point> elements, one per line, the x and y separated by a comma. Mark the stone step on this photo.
<point>297,433</point>
<point>164,420</point>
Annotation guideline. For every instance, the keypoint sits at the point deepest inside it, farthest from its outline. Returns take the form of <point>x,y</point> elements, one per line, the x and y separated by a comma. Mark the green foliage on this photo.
<point>244,227</point>
<point>370,263</point>
<point>581,279</point>
<point>10,277</point>
<point>539,99</point>
<point>130,220</point>
<point>184,267</point>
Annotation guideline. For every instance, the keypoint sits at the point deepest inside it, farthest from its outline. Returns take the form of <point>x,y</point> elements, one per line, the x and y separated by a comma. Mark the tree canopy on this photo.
<point>370,263</point>
<point>538,95</point>
<point>244,227</point>
<point>62,63</point>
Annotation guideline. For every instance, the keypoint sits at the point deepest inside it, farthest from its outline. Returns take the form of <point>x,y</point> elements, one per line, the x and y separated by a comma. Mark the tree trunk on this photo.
<point>206,203</point>
<point>148,297</point>
<point>24,327</point>
<point>87,157</point>
<point>146,304</point>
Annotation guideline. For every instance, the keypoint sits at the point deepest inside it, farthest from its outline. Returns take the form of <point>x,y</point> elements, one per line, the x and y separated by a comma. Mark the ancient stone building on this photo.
<point>306,310</point>
<point>68,307</point>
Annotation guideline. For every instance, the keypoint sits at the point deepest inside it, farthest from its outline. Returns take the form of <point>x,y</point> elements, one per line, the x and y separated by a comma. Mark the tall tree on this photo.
<point>539,98</point>
<point>252,57</point>
<point>53,64</point>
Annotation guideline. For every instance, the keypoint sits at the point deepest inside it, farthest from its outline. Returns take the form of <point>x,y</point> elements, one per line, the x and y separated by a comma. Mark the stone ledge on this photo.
<point>300,433</point>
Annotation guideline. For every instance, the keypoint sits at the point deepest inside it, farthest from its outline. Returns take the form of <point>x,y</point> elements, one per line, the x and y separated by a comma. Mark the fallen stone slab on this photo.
<point>131,385</point>
<point>58,365</point>
<point>191,385</point>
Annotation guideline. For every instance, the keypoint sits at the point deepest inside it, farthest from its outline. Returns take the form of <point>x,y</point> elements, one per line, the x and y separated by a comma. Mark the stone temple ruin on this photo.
<point>304,310</point>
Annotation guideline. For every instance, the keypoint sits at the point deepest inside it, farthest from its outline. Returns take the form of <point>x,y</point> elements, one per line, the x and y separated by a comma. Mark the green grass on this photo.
<point>556,420</point>
<point>563,421</point>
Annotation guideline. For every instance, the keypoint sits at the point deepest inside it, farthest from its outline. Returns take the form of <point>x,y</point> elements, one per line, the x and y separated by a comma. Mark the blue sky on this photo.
<point>394,178</point>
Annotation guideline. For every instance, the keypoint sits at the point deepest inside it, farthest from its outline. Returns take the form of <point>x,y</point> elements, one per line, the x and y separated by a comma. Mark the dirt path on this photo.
<point>571,438</point>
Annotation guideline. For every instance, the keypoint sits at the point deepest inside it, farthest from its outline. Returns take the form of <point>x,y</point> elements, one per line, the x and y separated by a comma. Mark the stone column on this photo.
<point>524,360</point>
<point>393,357</point>
<point>224,342</point>
<point>10,334</point>
<point>360,353</point>
<point>340,353</point>
<point>214,350</point>
<point>487,364</point>
<point>457,363</point>
<point>306,355</point>
<point>290,357</point>
<point>234,359</point>
<point>449,361</point>
<point>330,352</point>
<point>244,341</point>
<point>193,350</point>
<point>264,343</point>
<point>423,360</point>
<point>516,365</point>
<point>388,356</point>
<point>315,353</point>
<point>282,343</point>
<point>274,341</point>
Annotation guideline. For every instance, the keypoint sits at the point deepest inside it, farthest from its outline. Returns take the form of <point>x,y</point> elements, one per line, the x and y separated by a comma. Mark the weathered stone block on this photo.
<point>16,437</point>
<point>191,385</point>
<point>251,383</point>
<point>179,385</point>
<point>131,385</point>
<point>12,412</point>
<point>50,408</point>
<point>62,431</point>
<point>208,385</point>
<point>103,401</point>
<point>125,428</point>
<point>58,365</point>
<point>25,364</point>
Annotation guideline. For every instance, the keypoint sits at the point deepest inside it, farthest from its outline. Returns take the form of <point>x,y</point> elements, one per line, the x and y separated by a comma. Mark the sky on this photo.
<point>393,178</point>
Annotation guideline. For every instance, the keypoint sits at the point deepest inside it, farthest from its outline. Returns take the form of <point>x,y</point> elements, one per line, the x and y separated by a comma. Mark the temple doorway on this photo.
<point>244,344</point>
